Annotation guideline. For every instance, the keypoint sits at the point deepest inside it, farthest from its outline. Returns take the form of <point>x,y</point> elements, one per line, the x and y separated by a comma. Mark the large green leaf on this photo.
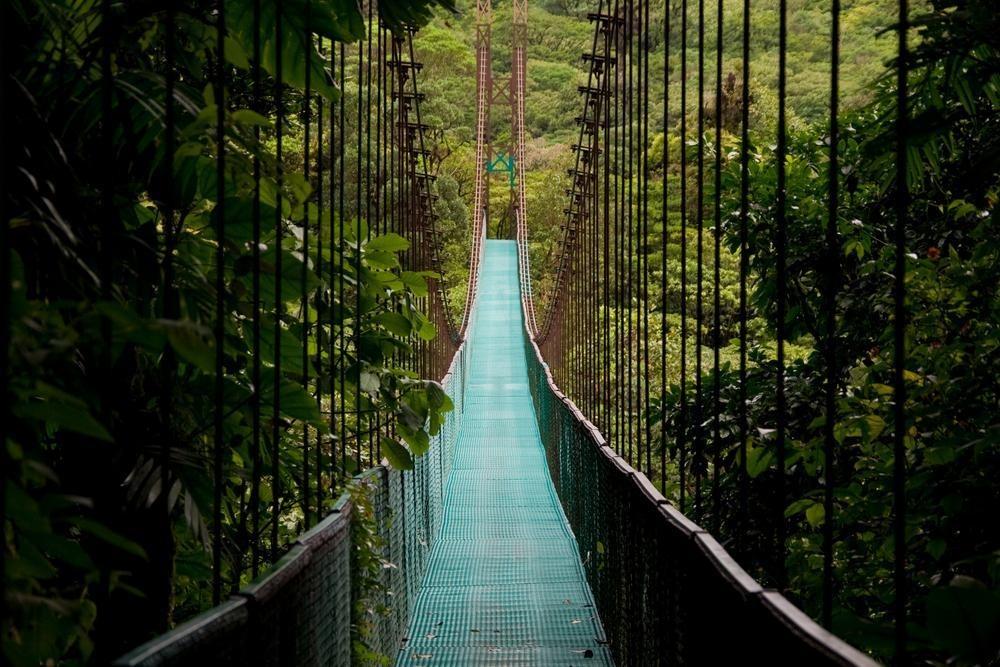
<point>291,277</point>
<point>416,438</point>
<point>109,536</point>
<point>60,411</point>
<point>397,455</point>
<point>397,323</point>
<point>415,282</point>
<point>964,620</point>
<point>390,242</point>
<point>328,19</point>
<point>294,401</point>
<point>291,347</point>
<point>193,343</point>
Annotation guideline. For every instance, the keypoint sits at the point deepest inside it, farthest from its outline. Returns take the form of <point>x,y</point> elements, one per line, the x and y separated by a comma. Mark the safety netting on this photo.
<point>303,609</point>
<point>667,591</point>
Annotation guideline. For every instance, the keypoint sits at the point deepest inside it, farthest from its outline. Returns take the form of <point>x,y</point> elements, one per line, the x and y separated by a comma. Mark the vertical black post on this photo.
<point>368,187</point>
<point>664,221</point>
<point>6,276</point>
<point>645,232</point>
<point>107,240</point>
<point>628,204</point>
<point>780,259</point>
<point>683,416</point>
<point>304,296</point>
<point>255,472</point>
<point>717,301</point>
<point>333,359</point>
<point>698,461</point>
<point>380,59</point>
<point>606,392</point>
<point>279,305</point>
<point>170,310</point>
<point>341,335</point>
<point>744,478</point>
<point>106,250</point>
<point>829,306</point>
<point>899,340</point>
<point>220,294</point>
<point>618,252</point>
<point>357,259</point>
<point>321,295</point>
<point>636,20</point>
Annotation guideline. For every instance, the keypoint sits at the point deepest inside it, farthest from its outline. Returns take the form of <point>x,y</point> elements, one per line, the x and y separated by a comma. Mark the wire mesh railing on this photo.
<point>349,581</point>
<point>741,299</point>
<point>664,587</point>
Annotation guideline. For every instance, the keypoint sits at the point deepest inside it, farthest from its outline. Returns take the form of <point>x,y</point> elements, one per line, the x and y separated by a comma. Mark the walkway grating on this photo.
<point>504,585</point>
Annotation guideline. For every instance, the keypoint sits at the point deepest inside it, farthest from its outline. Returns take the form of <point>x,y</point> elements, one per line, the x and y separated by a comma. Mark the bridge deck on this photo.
<point>504,584</point>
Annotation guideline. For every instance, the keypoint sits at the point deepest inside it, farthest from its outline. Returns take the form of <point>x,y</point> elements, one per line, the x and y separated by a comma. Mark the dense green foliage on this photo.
<point>109,491</point>
<point>953,304</point>
<point>952,280</point>
<point>103,382</point>
<point>952,364</point>
<point>558,36</point>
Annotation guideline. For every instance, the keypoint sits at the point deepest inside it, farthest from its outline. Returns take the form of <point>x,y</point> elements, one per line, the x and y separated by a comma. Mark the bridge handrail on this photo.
<point>665,588</point>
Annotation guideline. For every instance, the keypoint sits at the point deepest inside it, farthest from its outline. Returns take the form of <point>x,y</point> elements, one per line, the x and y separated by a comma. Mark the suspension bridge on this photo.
<point>534,526</point>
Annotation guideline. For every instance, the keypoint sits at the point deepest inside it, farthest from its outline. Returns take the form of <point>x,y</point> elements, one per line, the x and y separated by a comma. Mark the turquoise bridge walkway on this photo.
<point>504,584</point>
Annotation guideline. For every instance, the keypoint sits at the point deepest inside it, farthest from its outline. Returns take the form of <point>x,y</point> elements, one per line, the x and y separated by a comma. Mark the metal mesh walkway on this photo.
<point>504,584</point>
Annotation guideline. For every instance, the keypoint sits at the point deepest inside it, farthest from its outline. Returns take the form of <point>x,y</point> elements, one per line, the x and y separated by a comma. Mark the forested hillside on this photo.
<point>211,319</point>
<point>558,36</point>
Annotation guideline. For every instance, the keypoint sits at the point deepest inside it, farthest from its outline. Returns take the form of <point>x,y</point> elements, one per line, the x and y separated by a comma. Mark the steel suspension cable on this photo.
<point>592,273</point>
<point>6,275</point>
<point>220,294</point>
<point>304,273</point>
<point>278,302</point>
<point>369,417</point>
<point>635,228</point>
<point>902,204</point>
<point>356,322</point>
<point>717,302</point>
<point>170,312</point>
<point>107,249</point>
<point>744,259</point>
<point>698,460</point>
<point>255,404</point>
<point>568,259</point>
<point>321,293</point>
<point>105,238</point>
<point>627,206</point>
<point>645,234</point>
<point>333,359</point>
<point>378,183</point>
<point>663,246</point>
<point>620,307</point>
<point>781,298</point>
<point>341,211</point>
<point>450,330</point>
<point>607,423</point>
<point>683,416</point>
<point>830,321</point>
